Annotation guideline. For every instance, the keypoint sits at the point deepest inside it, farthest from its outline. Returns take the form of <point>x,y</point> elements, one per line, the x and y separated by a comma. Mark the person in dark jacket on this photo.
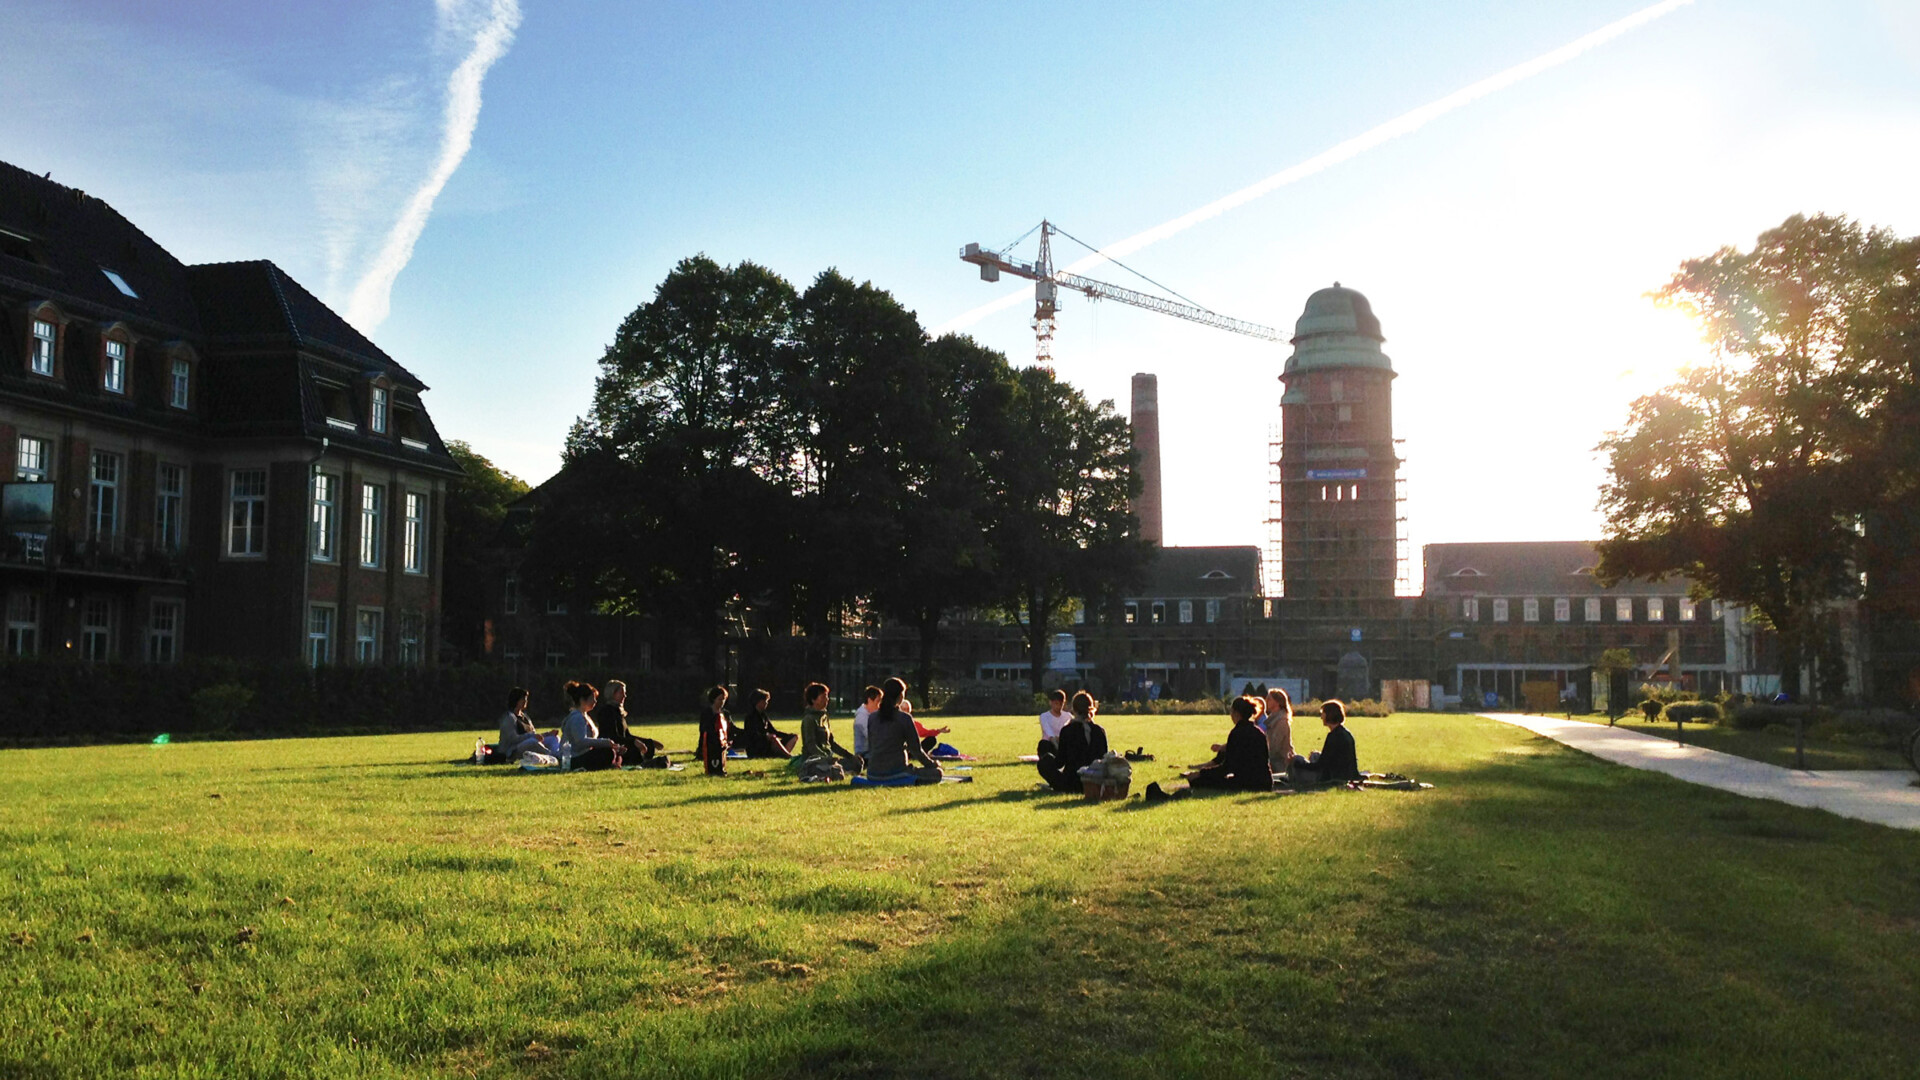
<point>715,736</point>
<point>1337,761</point>
<point>1242,763</point>
<point>758,737</point>
<point>1082,742</point>
<point>610,716</point>
<point>893,746</point>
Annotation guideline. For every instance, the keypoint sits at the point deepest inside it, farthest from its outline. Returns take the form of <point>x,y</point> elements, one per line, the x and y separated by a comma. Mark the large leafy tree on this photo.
<point>1753,472</point>
<point>1062,478</point>
<point>476,504</point>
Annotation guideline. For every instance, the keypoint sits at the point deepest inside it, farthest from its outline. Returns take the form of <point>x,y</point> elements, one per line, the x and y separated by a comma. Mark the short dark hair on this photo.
<point>517,695</point>
<point>715,694</point>
<point>578,692</point>
<point>871,693</point>
<point>1333,712</point>
<point>811,691</point>
<point>1057,695</point>
<point>760,698</point>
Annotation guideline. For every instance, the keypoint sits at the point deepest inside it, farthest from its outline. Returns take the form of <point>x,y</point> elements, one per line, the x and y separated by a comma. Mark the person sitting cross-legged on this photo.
<point>1082,742</point>
<point>517,733</point>
<point>610,716</point>
<point>590,751</point>
<point>1241,764</point>
<point>893,746</point>
<point>1337,762</point>
<point>758,737</point>
<point>821,756</point>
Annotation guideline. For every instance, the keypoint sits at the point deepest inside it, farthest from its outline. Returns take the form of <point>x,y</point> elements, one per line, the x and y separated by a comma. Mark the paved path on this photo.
<point>1886,796</point>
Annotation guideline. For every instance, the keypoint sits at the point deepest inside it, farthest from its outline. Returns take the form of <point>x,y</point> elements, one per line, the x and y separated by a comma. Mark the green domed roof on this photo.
<point>1338,329</point>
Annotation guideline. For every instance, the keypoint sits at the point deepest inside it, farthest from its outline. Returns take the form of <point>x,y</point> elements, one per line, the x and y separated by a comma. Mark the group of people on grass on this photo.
<point>1257,756</point>
<point>889,745</point>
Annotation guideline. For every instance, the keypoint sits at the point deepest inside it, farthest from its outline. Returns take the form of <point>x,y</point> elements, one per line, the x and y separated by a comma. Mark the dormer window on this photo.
<point>120,283</point>
<point>1215,575</point>
<point>338,406</point>
<point>377,414</point>
<point>180,383</point>
<point>19,247</point>
<point>1467,571</point>
<point>113,377</point>
<point>45,335</point>
<point>1587,570</point>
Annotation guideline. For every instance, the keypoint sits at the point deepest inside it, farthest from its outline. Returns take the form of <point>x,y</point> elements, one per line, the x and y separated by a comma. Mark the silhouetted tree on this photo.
<point>476,503</point>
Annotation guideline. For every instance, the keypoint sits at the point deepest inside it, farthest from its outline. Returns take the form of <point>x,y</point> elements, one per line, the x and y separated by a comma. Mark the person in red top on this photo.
<point>714,732</point>
<point>929,737</point>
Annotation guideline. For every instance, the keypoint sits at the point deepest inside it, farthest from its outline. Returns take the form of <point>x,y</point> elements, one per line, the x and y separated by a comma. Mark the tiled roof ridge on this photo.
<point>79,195</point>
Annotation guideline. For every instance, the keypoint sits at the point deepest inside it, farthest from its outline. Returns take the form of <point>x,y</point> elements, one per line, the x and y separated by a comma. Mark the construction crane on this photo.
<point>1048,281</point>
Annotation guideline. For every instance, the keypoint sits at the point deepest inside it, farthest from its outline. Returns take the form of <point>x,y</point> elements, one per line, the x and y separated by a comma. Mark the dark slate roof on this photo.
<point>1177,572</point>
<point>71,238</point>
<point>1527,568</point>
<point>256,302</point>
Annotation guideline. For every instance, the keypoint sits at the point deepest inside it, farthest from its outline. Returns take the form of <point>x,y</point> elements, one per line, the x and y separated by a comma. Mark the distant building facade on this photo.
<point>200,460</point>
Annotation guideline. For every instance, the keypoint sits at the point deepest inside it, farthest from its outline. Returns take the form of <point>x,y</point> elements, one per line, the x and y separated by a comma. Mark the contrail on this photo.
<point>1404,124</point>
<point>371,299</point>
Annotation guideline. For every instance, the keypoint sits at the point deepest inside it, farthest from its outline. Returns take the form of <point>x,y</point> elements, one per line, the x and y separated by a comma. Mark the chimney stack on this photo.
<point>1146,441</point>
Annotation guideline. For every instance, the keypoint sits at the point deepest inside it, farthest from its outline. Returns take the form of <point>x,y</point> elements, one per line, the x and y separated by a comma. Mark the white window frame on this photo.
<point>556,605</point>
<point>46,346</point>
<point>170,506</point>
<point>1530,609</point>
<point>247,513</point>
<point>1689,610</point>
<point>1186,612</point>
<point>323,621</point>
<point>163,631</point>
<point>180,392</point>
<point>37,450</point>
<point>1623,609</point>
<point>113,373</point>
<point>1562,609</point>
<point>1592,609</point>
<point>510,598</point>
<point>373,514</point>
<point>96,629</point>
<point>377,411</point>
<point>367,634</point>
<point>1213,611</point>
<point>1470,609</point>
<point>1656,609</point>
<point>555,659</point>
<point>410,644</point>
<point>23,624</point>
<point>1132,613</point>
<point>1719,610</point>
<point>1501,609</point>
<point>414,536</point>
<point>103,493</point>
<point>324,521</point>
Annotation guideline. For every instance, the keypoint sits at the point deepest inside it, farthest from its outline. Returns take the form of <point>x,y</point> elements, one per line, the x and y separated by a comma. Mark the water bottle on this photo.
<point>479,751</point>
<point>566,755</point>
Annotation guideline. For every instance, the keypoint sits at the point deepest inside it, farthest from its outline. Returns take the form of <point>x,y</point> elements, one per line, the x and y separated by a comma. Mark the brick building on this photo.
<point>200,460</point>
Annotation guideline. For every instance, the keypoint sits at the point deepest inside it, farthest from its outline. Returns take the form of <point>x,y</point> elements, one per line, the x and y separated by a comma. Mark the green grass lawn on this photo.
<point>1772,747</point>
<point>359,907</point>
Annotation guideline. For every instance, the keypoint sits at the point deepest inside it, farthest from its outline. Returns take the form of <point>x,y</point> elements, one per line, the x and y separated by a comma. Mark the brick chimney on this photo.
<point>1146,440</point>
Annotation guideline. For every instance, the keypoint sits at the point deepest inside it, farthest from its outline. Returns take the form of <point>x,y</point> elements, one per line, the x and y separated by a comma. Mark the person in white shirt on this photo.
<point>860,715</point>
<point>1055,718</point>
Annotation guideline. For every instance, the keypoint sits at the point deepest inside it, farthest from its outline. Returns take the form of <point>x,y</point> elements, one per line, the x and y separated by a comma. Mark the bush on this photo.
<point>992,699</point>
<point>1692,712</point>
<point>1651,708</point>
<point>218,707</point>
<point>1755,717</point>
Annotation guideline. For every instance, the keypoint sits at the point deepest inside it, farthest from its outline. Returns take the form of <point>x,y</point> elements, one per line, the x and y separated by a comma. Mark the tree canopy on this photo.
<point>476,504</point>
<point>772,459</point>
<point>1754,473</point>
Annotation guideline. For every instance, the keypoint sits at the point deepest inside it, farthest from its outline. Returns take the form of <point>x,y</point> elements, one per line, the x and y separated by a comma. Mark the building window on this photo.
<point>1593,609</point>
<point>319,635</point>
<point>415,539</point>
<point>181,384</point>
<point>247,512</point>
<point>1080,615</point>
<point>326,519</point>
<point>366,635</point>
<point>35,456</point>
<point>1656,609</point>
<point>43,347</point>
<point>510,604</point>
<point>103,495</point>
<point>1133,613</point>
<point>555,659</point>
<point>1213,611</point>
<point>1718,610</point>
<point>1530,609</point>
<point>1562,609</point>
<point>1186,611</point>
<point>1470,609</point>
<point>1689,611</point>
<point>1623,609</point>
<point>377,415</point>
<point>556,605</point>
<point>120,283</point>
<point>372,539</point>
<point>412,633</point>
<point>163,631</point>
<point>1159,613</point>
<point>1500,610</point>
<point>1346,413</point>
<point>23,624</point>
<point>114,377</point>
<point>169,506</point>
<point>96,629</point>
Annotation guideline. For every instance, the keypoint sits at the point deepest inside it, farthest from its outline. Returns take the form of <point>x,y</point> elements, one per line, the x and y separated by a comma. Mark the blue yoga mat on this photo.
<point>902,780</point>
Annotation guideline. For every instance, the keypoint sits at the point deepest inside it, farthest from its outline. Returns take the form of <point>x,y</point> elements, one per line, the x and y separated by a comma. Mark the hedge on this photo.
<point>45,701</point>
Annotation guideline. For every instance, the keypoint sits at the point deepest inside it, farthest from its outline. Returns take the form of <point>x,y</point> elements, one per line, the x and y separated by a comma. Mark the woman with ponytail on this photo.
<point>893,745</point>
<point>1082,742</point>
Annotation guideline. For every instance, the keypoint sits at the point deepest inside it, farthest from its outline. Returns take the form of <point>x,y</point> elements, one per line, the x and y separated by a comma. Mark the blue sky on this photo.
<point>1506,246</point>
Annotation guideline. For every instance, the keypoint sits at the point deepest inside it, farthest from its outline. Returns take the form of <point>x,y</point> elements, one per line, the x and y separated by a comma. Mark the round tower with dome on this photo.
<point>1337,467</point>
